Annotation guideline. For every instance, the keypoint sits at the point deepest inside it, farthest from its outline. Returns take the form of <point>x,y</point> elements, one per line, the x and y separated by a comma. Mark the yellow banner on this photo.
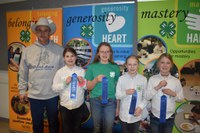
<point>20,36</point>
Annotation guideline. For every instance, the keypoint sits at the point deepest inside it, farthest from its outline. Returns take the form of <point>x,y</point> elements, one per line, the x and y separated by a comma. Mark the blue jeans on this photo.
<point>37,112</point>
<point>157,127</point>
<point>103,114</point>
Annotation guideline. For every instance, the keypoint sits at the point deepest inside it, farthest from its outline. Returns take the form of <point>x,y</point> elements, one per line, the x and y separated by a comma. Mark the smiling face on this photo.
<point>104,54</point>
<point>70,59</point>
<point>164,65</point>
<point>43,34</point>
<point>132,65</point>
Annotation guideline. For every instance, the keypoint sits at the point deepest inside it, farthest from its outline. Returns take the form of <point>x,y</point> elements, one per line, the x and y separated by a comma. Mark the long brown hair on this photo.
<point>96,57</point>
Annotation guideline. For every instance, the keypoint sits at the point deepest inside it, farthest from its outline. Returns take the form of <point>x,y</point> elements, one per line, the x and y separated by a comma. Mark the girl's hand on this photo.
<point>130,91</point>
<point>99,78</point>
<point>68,80</point>
<point>169,92</point>
<point>162,83</point>
<point>138,111</point>
<point>81,81</point>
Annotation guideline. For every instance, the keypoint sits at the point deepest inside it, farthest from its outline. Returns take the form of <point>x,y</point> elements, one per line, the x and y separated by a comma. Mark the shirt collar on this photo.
<point>169,76</point>
<point>132,77</point>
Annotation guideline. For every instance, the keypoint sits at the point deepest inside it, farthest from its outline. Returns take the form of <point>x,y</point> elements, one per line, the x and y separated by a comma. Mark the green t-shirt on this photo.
<point>111,71</point>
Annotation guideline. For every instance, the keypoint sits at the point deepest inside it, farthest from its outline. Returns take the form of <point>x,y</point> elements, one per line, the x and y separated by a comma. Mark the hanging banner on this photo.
<point>20,36</point>
<point>85,27</point>
<point>173,29</point>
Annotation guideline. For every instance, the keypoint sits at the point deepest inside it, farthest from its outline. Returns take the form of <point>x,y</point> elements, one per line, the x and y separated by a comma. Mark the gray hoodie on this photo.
<point>38,66</point>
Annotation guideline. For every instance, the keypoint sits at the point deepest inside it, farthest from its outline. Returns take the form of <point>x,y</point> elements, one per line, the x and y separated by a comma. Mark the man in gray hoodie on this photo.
<point>38,65</point>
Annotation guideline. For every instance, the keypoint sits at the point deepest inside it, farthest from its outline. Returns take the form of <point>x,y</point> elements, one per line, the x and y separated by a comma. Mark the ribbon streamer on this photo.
<point>73,86</point>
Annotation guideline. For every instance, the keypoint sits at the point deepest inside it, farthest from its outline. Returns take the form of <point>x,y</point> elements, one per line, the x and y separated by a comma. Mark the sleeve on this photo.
<point>179,92</point>
<point>117,74</point>
<point>61,61</point>
<point>23,74</point>
<point>120,93</point>
<point>89,75</point>
<point>58,85</point>
<point>150,92</point>
<point>144,101</point>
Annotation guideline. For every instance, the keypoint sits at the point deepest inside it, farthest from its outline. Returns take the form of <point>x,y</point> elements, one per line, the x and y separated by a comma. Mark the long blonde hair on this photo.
<point>167,56</point>
<point>96,58</point>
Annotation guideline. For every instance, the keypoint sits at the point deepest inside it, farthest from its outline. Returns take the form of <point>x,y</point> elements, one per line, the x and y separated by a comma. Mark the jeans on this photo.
<point>37,112</point>
<point>71,119</point>
<point>103,114</point>
<point>157,127</point>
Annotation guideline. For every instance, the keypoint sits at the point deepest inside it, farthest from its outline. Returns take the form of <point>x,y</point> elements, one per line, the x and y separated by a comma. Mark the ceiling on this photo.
<point>9,1</point>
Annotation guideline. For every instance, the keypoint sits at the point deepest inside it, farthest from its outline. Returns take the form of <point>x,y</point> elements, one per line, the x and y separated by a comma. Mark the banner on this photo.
<point>85,27</point>
<point>20,36</point>
<point>173,29</point>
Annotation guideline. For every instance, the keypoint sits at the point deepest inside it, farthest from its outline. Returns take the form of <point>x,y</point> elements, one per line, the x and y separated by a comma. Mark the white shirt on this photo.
<point>151,94</point>
<point>59,85</point>
<point>125,82</point>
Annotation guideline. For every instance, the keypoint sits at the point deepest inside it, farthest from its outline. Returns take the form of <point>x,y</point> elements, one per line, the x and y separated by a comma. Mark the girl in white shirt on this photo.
<point>70,108</point>
<point>129,84</point>
<point>163,84</point>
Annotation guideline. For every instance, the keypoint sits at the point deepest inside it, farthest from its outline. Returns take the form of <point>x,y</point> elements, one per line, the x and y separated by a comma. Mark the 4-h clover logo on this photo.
<point>25,36</point>
<point>87,31</point>
<point>167,29</point>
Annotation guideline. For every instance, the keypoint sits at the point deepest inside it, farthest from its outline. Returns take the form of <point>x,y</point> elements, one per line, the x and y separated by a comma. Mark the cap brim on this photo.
<point>52,26</point>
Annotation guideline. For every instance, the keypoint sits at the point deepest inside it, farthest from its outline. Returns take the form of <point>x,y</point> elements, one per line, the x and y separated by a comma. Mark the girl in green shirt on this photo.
<point>102,66</point>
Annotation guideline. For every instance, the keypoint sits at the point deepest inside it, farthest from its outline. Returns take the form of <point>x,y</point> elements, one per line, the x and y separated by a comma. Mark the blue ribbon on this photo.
<point>163,108</point>
<point>133,103</point>
<point>104,90</point>
<point>73,86</point>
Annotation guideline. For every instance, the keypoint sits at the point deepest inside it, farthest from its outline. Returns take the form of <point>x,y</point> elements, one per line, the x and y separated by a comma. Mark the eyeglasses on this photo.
<point>42,31</point>
<point>104,52</point>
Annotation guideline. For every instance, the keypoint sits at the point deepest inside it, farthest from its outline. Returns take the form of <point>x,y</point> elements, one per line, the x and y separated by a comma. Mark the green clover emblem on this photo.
<point>25,36</point>
<point>138,87</point>
<point>167,29</point>
<point>87,31</point>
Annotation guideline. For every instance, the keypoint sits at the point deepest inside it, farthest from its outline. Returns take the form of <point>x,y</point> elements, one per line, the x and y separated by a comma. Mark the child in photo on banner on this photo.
<point>128,84</point>
<point>195,117</point>
<point>163,84</point>
<point>70,108</point>
<point>102,66</point>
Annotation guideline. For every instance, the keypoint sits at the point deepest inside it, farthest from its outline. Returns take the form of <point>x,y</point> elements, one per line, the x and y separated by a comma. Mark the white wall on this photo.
<point>4,99</point>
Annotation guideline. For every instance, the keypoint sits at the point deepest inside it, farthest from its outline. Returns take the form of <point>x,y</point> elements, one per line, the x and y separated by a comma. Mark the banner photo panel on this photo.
<point>20,36</point>
<point>85,27</point>
<point>175,30</point>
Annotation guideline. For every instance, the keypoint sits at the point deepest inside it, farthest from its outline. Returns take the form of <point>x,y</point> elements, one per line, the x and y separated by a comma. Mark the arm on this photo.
<point>119,92</point>
<point>152,89</point>
<point>58,83</point>
<point>91,84</point>
<point>144,102</point>
<point>179,92</point>
<point>23,79</point>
